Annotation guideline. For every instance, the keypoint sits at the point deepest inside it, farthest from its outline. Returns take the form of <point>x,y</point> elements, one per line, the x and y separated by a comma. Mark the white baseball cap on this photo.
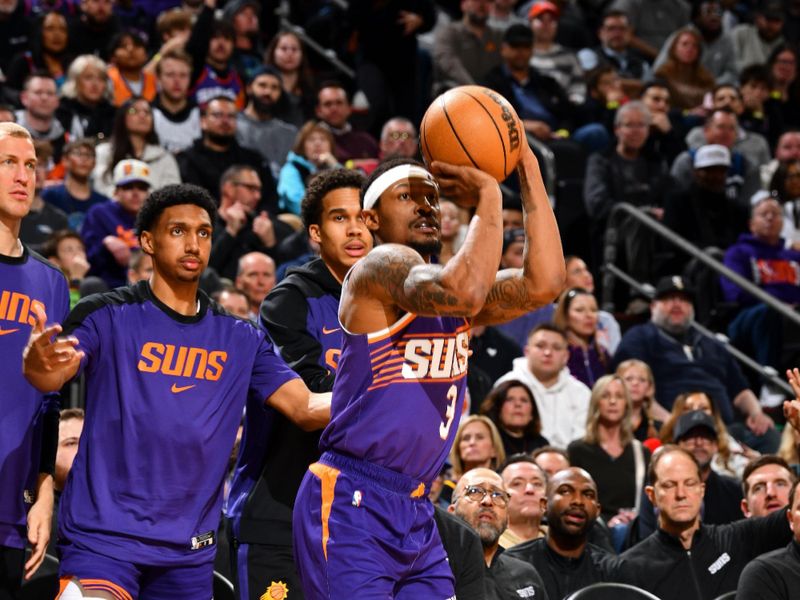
<point>712,155</point>
<point>130,170</point>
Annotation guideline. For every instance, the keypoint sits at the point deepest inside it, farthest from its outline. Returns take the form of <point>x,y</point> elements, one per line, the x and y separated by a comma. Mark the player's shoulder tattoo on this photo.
<point>384,268</point>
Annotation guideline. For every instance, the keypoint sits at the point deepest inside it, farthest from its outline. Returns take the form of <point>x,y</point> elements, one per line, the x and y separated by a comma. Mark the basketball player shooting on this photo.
<point>362,524</point>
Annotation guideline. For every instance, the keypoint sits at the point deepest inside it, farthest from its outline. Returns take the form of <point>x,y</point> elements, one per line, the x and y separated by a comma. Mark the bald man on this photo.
<point>480,499</point>
<point>565,558</point>
<point>255,277</point>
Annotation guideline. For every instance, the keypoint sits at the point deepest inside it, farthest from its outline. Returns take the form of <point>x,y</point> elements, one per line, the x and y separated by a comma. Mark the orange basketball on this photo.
<point>472,126</point>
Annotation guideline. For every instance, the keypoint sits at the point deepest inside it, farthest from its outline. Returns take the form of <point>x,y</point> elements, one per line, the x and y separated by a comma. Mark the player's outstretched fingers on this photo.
<point>41,318</point>
<point>793,376</point>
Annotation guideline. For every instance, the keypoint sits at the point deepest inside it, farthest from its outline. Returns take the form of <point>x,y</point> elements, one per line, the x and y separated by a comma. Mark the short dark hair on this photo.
<point>332,83</point>
<point>76,143</point>
<point>656,83</point>
<point>492,405</point>
<point>662,453</point>
<point>234,171</point>
<point>222,28</point>
<point>321,185</point>
<point>385,166</point>
<point>218,98</point>
<point>173,195</point>
<point>549,450</point>
<point>756,74</point>
<point>548,327</point>
<point>521,457</point>
<point>50,247</point>
<point>763,461</point>
<point>71,413</point>
<point>119,39</point>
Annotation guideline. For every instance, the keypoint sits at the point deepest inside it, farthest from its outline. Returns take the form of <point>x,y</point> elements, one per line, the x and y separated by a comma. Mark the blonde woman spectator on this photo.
<point>477,444</point>
<point>617,461</point>
<point>646,412</point>
<point>85,109</point>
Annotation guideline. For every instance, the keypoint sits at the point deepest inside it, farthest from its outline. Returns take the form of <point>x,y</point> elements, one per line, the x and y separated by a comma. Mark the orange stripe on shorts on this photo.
<point>327,476</point>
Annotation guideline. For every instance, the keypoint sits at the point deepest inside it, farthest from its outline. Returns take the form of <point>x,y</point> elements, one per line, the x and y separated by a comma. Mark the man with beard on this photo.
<point>257,126</point>
<point>465,51</point>
<point>755,42</point>
<point>176,118</point>
<point>91,32</point>
<point>481,500</point>
<point>682,359</point>
<point>401,378</point>
<point>565,558</point>
<point>210,156</point>
<point>241,226</point>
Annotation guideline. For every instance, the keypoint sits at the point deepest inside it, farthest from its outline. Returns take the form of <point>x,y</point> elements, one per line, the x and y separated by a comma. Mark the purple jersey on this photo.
<point>165,395</point>
<point>25,282</point>
<point>399,394</point>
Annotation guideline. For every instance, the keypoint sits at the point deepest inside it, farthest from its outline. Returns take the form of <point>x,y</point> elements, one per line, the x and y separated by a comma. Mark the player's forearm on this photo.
<point>543,267</point>
<point>471,272</point>
<point>45,495</point>
<point>318,412</point>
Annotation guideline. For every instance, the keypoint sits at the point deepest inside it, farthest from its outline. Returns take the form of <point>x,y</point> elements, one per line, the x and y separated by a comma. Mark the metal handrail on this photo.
<point>310,42</point>
<point>764,371</point>
<point>676,240</point>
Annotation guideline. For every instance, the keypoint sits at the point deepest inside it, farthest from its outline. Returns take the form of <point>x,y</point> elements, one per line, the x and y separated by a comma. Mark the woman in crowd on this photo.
<point>477,444</point>
<point>638,378</point>
<point>782,64</point>
<point>785,186</point>
<point>689,80</point>
<point>617,461</point>
<point>312,151</point>
<point>133,136</point>
<point>453,231</point>
<point>85,109</point>
<point>732,456</point>
<point>286,53</point>
<point>512,408</point>
<point>576,312</point>
<point>579,275</point>
<point>48,52</point>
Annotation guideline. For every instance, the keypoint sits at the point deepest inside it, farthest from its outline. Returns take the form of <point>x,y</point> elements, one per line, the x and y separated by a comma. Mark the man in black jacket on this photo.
<point>684,559</point>
<point>209,157</point>
<point>481,500</point>
<point>565,559</point>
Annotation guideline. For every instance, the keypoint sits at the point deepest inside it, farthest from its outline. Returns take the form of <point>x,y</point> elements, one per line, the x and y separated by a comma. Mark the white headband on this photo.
<point>392,176</point>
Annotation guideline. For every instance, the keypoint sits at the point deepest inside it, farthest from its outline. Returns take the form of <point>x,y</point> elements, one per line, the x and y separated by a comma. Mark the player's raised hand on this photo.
<point>791,408</point>
<point>48,362</point>
<point>463,185</point>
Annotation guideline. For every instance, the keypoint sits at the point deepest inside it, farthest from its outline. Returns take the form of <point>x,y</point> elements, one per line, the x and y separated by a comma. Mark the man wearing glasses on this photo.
<point>481,500</point>
<point>207,159</point>
<point>243,224</point>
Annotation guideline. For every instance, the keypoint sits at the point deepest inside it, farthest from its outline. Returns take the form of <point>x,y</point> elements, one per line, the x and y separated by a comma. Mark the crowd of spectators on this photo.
<point>688,111</point>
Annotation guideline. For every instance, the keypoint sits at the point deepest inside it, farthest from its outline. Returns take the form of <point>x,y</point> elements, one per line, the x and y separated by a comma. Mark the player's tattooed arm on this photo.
<point>307,410</point>
<point>398,276</point>
<point>518,291</point>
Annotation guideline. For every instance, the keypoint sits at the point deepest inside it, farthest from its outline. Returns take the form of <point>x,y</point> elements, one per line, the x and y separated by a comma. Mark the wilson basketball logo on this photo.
<point>508,118</point>
<point>182,361</point>
<point>436,358</point>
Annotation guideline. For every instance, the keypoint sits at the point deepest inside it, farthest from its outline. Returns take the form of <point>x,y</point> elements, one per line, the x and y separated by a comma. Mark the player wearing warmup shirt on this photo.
<point>400,385</point>
<point>300,315</point>
<point>28,420</point>
<point>168,373</point>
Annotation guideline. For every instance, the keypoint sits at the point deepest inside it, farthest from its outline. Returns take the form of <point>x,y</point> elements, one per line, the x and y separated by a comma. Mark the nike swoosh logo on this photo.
<point>7,331</point>
<point>176,389</point>
<point>326,331</point>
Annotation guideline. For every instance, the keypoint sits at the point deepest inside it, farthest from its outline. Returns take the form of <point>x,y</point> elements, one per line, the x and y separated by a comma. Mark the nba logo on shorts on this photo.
<point>357,498</point>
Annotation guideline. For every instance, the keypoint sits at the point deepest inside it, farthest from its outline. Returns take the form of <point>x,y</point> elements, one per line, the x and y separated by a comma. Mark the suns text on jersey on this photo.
<point>183,361</point>
<point>18,307</point>
<point>436,357</point>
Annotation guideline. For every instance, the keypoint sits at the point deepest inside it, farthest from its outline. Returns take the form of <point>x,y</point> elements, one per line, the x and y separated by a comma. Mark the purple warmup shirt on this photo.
<point>165,395</point>
<point>24,282</point>
<point>399,394</point>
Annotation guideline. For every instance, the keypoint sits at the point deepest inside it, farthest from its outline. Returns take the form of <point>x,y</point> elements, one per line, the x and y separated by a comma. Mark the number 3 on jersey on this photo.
<point>444,427</point>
